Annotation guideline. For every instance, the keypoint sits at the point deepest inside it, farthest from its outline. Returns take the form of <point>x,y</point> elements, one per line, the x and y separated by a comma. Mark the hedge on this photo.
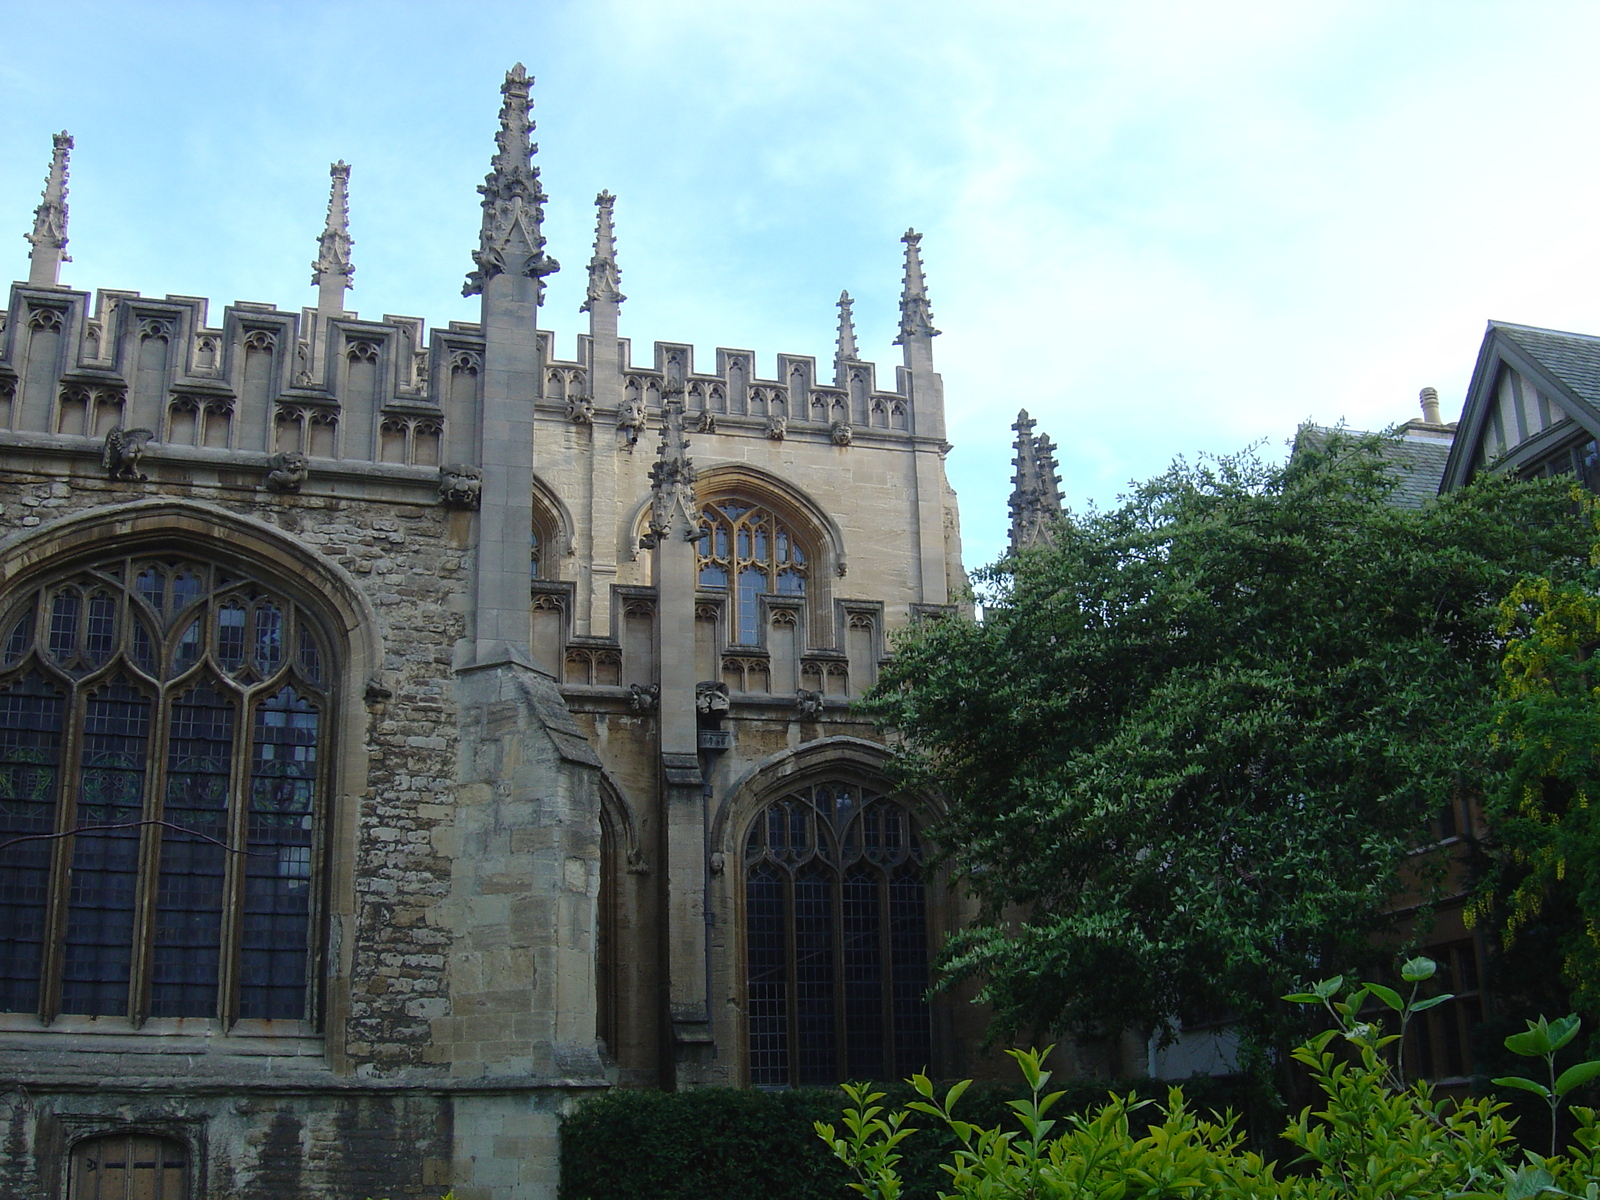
<point>729,1144</point>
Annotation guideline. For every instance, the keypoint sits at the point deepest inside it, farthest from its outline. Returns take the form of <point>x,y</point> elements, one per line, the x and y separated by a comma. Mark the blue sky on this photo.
<point>1164,228</point>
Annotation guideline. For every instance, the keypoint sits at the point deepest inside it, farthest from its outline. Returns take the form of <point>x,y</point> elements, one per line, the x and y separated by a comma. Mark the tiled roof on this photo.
<point>1416,464</point>
<point>1573,358</point>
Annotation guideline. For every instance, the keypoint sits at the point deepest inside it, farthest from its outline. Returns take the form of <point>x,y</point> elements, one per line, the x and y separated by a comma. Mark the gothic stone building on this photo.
<point>404,732</point>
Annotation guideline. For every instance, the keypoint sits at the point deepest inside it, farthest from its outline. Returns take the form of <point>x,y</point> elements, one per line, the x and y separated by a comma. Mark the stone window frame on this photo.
<point>246,542</point>
<point>867,975</point>
<point>109,638</point>
<point>838,758</point>
<point>816,530</point>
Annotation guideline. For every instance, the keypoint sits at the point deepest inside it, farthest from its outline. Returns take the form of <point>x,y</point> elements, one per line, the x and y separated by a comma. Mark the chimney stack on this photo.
<point>1430,406</point>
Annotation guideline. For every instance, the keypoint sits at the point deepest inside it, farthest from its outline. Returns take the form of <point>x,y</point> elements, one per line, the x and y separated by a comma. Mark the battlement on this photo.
<point>267,381</point>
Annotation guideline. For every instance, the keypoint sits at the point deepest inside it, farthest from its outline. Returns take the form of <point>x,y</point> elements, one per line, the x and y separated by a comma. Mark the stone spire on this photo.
<point>605,277</point>
<point>672,476</point>
<point>846,352</point>
<point>1035,488</point>
<point>49,236</point>
<point>513,202</point>
<point>916,317</point>
<point>332,272</point>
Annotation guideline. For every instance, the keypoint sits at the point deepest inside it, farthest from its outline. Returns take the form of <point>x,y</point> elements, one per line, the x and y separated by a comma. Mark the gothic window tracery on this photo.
<point>836,939</point>
<point>174,713</point>
<point>747,551</point>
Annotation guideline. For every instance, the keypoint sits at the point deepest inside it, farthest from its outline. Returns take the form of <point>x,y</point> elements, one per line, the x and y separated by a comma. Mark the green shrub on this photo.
<point>722,1144</point>
<point>1375,1137</point>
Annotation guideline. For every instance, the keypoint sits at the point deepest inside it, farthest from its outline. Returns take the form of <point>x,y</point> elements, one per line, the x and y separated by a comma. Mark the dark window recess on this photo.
<point>836,937</point>
<point>193,702</point>
<point>1439,1041</point>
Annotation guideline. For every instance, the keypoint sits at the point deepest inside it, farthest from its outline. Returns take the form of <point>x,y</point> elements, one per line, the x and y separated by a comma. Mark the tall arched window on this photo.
<point>747,550</point>
<point>836,937</point>
<point>170,718</point>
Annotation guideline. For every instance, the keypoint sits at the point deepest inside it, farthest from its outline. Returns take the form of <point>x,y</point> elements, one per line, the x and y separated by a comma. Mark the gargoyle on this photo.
<point>123,450</point>
<point>289,471</point>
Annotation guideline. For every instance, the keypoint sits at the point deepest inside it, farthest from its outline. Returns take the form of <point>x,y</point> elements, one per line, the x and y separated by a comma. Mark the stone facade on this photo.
<point>571,632</point>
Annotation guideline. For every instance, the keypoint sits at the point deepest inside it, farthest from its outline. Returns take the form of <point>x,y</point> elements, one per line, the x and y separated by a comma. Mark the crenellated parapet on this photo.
<point>263,381</point>
<point>74,366</point>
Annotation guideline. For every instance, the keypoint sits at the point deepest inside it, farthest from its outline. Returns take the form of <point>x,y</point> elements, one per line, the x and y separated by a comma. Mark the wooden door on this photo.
<point>129,1166</point>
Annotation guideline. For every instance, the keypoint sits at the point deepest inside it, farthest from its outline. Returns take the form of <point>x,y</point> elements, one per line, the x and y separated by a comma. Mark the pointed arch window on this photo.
<point>746,550</point>
<point>170,718</point>
<point>836,939</point>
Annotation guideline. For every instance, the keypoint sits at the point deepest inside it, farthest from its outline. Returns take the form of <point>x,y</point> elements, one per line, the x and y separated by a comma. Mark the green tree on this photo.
<point>1543,889</point>
<point>1187,746</point>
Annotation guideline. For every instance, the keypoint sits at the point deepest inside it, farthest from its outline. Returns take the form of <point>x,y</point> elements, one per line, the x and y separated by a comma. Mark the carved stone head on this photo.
<point>460,485</point>
<point>711,698</point>
<point>288,471</point>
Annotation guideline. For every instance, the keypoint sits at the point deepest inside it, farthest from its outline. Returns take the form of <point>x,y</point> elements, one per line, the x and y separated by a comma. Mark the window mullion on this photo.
<point>316,908</point>
<point>55,927</point>
<point>148,881</point>
<point>234,867</point>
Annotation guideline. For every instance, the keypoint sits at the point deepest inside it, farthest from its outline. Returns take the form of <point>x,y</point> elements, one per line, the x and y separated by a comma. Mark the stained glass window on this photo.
<point>169,716</point>
<point>748,550</point>
<point>836,939</point>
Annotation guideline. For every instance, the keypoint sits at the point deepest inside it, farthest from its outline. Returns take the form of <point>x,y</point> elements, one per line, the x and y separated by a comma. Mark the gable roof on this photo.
<point>1565,367</point>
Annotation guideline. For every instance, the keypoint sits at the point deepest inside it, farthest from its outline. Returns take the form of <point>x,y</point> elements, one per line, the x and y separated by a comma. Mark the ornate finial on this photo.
<point>916,317</point>
<point>49,236</point>
<point>1035,487</point>
<point>333,247</point>
<point>672,478</point>
<point>605,276</point>
<point>846,351</point>
<point>513,202</point>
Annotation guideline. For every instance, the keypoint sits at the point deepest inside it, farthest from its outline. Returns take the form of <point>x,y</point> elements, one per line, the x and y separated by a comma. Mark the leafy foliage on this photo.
<point>1546,827</point>
<point>722,1144</point>
<point>1373,1138</point>
<point>1191,742</point>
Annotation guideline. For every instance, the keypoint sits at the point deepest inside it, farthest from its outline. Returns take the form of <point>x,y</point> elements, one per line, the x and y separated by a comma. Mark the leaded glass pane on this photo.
<point>230,635</point>
<point>767,995</point>
<point>100,639</point>
<point>310,656</point>
<point>276,916</point>
<point>143,648</point>
<point>269,638</point>
<point>187,651</point>
<point>863,975</point>
<point>815,1020</point>
<point>152,586</point>
<point>908,941</point>
<point>189,895</point>
<point>105,858</point>
<point>64,614</point>
<point>30,757</point>
<point>186,589</point>
<point>17,640</point>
